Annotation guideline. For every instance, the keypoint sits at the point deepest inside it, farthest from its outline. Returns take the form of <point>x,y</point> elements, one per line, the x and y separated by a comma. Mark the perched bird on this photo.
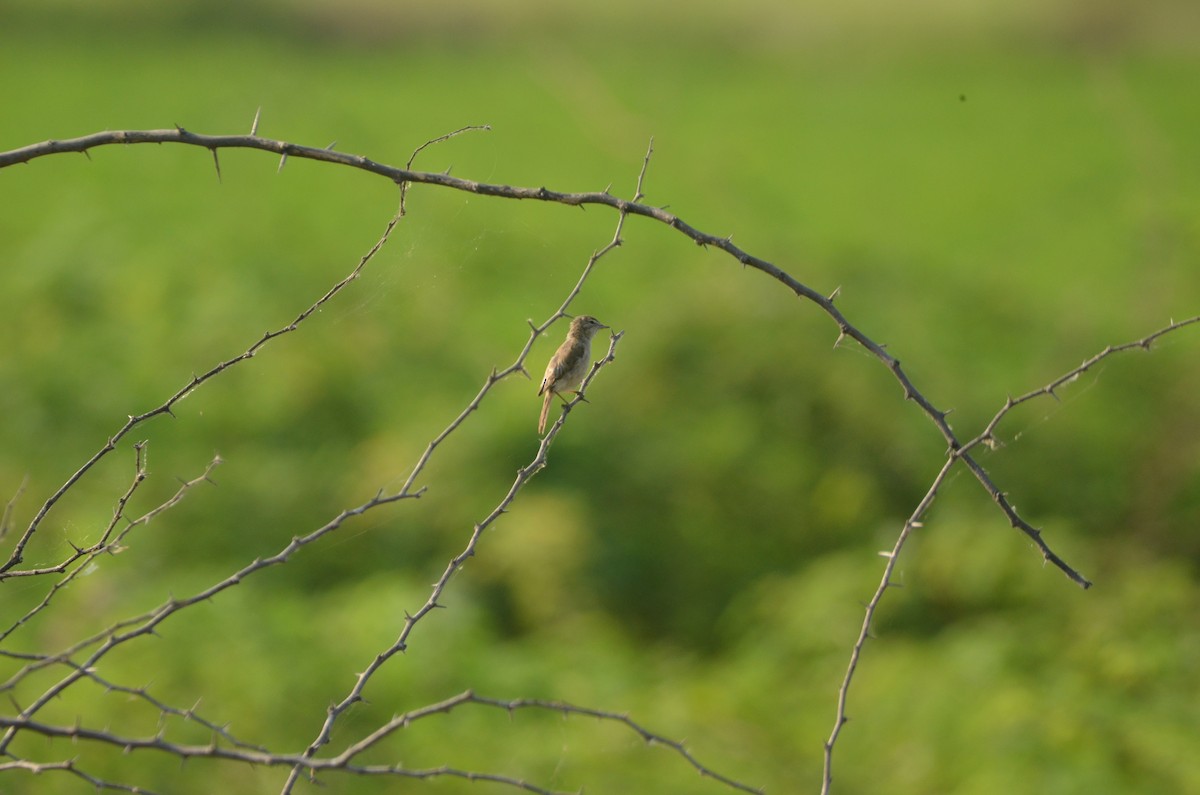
<point>569,364</point>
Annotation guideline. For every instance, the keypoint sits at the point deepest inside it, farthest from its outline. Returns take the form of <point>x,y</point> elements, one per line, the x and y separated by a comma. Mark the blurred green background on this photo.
<point>998,189</point>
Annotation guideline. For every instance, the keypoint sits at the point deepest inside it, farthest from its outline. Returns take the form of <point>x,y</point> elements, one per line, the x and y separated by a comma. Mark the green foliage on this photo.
<point>994,208</point>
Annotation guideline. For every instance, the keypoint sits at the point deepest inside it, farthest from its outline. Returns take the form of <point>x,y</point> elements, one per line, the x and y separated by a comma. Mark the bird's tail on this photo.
<point>545,412</point>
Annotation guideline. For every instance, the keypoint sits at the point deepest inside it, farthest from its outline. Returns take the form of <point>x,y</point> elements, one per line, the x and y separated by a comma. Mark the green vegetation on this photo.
<point>998,196</point>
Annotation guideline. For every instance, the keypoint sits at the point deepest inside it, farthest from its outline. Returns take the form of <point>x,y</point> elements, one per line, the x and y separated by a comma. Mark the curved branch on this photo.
<point>401,176</point>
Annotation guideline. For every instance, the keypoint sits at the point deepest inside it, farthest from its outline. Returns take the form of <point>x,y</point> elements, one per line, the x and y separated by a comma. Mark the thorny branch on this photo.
<point>166,407</point>
<point>129,629</point>
<point>6,517</point>
<point>72,767</point>
<point>82,558</point>
<point>412,619</point>
<point>624,206</point>
<point>310,760</point>
<point>987,437</point>
<point>345,761</point>
<point>648,736</point>
<point>147,623</point>
<point>523,475</point>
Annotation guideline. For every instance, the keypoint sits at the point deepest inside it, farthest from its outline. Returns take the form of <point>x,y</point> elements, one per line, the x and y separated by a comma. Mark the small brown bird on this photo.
<point>569,364</point>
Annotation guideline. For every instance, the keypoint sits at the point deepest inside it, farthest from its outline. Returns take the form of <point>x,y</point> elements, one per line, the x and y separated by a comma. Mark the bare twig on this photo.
<point>345,761</point>
<point>561,707</point>
<point>166,407</point>
<point>107,543</point>
<point>310,761</point>
<point>426,145</point>
<point>183,751</point>
<point>189,715</point>
<point>987,436</point>
<point>124,631</point>
<point>71,767</point>
<point>523,475</point>
<point>650,737</point>
<point>625,207</point>
<point>431,603</point>
<point>914,521</point>
<point>147,623</point>
<point>6,517</point>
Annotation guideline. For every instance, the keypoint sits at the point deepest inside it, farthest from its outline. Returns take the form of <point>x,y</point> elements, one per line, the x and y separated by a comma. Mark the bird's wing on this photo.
<point>565,359</point>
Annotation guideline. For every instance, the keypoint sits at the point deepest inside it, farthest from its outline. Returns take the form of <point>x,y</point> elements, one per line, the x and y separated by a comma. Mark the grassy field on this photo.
<point>998,193</point>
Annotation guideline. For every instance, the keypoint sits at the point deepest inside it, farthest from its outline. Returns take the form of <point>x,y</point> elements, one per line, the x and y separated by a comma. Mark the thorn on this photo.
<point>282,160</point>
<point>217,163</point>
<point>332,144</point>
<point>835,293</point>
<point>254,124</point>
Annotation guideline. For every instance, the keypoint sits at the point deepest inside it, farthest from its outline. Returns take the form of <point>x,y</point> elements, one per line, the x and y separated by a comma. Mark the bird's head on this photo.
<point>586,325</point>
